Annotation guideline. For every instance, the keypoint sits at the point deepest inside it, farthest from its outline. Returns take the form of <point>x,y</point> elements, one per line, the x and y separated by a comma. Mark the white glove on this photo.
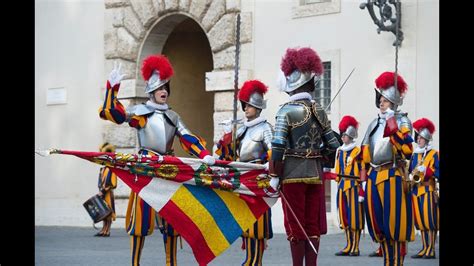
<point>361,199</point>
<point>115,77</point>
<point>227,125</point>
<point>266,166</point>
<point>421,168</point>
<point>209,160</point>
<point>389,113</point>
<point>274,181</point>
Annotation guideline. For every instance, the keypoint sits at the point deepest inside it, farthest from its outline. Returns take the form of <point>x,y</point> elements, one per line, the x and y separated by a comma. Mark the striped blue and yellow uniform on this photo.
<point>107,183</point>
<point>425,200</point>
<point>141,217</point>
<point>254,239</point>
<point>388,205</point>
<point>350,210</point>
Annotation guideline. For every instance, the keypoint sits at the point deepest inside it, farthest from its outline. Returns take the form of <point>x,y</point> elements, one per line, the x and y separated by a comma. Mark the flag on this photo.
<point>210,206</point>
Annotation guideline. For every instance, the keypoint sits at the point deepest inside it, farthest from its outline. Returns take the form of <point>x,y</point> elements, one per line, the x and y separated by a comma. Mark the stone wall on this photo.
<point>136,28</point>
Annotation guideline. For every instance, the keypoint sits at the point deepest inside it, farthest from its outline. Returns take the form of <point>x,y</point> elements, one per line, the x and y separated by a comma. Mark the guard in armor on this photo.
<point>424,172</point>
<point>350,194</point>
<point>386,147</point>
<point>107,183</point>
<point>303,138</point>
<point>254,146</point>
<point>156,125</point>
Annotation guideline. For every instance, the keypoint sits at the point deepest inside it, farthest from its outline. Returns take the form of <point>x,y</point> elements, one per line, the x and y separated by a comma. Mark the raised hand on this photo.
<point>115,77</point>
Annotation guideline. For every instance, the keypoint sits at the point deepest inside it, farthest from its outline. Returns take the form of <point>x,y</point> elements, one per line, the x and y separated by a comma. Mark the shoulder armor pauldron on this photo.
<point>296,113</point>
<point>321,115</point>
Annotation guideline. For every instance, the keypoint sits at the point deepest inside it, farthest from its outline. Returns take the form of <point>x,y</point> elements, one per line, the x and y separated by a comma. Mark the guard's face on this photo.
<point>421,141</point>
<point>346,139</point>
<point>384,104</point>
<point>250,112</point>
<point>161,95</point>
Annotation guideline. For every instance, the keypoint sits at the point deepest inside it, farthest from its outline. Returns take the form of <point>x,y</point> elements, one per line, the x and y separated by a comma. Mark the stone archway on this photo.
<point>136,28</point>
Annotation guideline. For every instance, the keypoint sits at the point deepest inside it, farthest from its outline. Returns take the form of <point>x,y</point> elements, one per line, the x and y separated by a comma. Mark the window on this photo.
<point>307,2</point>
<point>309,8</point>
<point>322,92</point>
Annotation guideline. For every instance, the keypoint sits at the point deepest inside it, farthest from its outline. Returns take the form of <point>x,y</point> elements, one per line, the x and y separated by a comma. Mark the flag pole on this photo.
<point>236,88</point>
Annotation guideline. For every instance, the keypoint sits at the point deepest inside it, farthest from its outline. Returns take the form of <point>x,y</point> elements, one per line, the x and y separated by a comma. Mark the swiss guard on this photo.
<point>350,193</point>
<point>303,138</point>
<point>156,125</point>
<point>254,146</point>
<point>107,183</point>
<point>386,147</point>
<point>424,172</point>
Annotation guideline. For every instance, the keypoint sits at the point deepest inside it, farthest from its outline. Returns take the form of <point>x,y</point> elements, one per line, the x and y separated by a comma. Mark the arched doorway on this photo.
<point>186,45</point>
<point>190,53</point>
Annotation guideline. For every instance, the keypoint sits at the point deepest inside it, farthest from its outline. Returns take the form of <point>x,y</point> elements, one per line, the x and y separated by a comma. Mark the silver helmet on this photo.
<point>297,79</point>
<point>391,94</point>
<point>385,86</point>
<point>424,128</point>
<point>155,82</point>
<point>252,92</point>
<point>256,100</point>
<point>300,65</point>
<point>425,133</point>
<point>351,131</point>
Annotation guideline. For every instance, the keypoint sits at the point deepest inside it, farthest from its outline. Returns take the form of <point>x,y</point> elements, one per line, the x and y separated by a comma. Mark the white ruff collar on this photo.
<point>348,147</point>
<point>161,107</point>
<point>257,120</point>
<point>422,150</point>
<point>300,96</point>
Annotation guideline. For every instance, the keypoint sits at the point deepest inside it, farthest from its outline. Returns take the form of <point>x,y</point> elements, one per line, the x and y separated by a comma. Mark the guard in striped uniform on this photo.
<point>349,192</point>
<point>386,147</point>
<point>107,183</point>
<point>156,125</point>
<point>424,172</point>
<point>254,146</point>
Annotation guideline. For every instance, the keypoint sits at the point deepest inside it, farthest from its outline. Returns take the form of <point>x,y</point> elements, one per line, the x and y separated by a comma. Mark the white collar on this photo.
<point>348,147</point>
<point>257,120</point>
<point>300,96</point>
<point>422,150</point>
<point>159,106</point>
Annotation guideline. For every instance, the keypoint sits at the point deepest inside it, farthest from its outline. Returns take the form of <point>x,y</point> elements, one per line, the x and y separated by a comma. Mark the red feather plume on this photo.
<point>387,80</point>
<point>157,62</point>
<point>424,123</point>
<point>250,87</point>
<point>347,121</point>
<point>304,59</point>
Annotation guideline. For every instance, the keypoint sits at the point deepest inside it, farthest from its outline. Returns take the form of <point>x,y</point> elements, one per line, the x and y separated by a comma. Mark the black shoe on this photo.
<point>417,256</point>
<point>341,253</point>
<point>99,234</point>
<point>429,257</point>
<point>375,254</point>
<point>354,254</point>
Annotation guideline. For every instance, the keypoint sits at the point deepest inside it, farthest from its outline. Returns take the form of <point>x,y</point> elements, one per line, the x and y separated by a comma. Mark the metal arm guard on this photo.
<point>331,141</point>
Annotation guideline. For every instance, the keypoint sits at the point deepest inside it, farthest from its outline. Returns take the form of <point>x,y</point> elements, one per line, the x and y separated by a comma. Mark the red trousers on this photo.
<point>307,202</point>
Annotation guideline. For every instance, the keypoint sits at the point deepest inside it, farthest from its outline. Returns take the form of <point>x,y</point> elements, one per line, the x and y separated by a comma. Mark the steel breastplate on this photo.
<point>157,134</point>
<point>380,147</point>
<point>252,145</point>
